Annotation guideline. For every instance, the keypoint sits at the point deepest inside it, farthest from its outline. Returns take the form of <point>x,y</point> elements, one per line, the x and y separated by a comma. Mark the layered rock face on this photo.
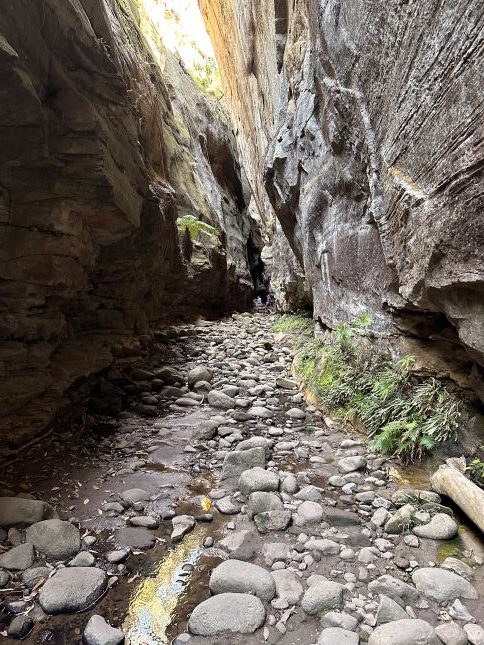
<point>361,123</point>
<point>105,142</point>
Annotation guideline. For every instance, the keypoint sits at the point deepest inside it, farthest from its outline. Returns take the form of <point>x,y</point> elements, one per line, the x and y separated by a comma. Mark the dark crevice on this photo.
<point>281,17</point>
<point>257,269</point>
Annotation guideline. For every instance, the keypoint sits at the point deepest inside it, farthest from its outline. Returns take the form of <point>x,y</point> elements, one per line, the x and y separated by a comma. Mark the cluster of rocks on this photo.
<point>315,539</point>
<point>346,551</point>
<point>48,553</point>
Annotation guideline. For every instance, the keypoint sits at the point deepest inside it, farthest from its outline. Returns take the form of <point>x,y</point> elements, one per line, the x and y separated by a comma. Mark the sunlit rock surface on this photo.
<point>361,123</point>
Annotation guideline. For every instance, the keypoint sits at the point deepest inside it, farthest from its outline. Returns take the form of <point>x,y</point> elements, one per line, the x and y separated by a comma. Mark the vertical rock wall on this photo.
<point>362,123</point>
<point>104,143</point>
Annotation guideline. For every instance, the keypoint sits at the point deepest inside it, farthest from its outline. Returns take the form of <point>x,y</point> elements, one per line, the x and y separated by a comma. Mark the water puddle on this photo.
<point>161,603</point>
<point>159,607</point>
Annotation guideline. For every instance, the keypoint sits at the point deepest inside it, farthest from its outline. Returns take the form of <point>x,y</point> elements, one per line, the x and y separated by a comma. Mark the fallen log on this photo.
<point>450,480</point>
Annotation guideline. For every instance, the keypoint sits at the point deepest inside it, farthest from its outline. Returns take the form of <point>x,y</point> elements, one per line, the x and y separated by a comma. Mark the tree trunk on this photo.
<point>468,497</point>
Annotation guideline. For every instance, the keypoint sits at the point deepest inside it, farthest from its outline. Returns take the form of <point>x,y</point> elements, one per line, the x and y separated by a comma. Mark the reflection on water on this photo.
<point>153,604</point>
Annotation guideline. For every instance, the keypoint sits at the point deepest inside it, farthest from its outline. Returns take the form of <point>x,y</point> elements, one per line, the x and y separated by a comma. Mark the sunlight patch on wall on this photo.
<point>180,25</point>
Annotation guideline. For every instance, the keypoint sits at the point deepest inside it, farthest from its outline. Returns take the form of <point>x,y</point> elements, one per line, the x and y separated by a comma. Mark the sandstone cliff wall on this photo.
<point>104,143</point>
<point>362,124</point>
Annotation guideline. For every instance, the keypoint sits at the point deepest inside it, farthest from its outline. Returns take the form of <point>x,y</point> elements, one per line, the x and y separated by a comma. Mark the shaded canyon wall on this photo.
<point>361,126</point>
<point>105,142</point>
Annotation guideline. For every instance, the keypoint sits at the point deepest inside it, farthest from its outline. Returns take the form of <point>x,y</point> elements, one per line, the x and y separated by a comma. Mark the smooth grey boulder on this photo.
<point>310,494</point>
<point>276,552</point>
<point>33,575</point>
<point>18,511</point>
<point>99,632</point>
<point>308,513</point>
<point>323,596</point>
<point>409,631</point>
<point>350,464</point>
<point>442,585</point>
<point>323,545</point>
<point>72,589</point>
<point>116,556</point>
<point>389,610</point>
<point>258,479</point>
<point>237,461</point>
<point>339,619</point>
<point>19,558</point>
<point>289,484</point>
<point>394,588</point>
<point>261,502</point>
<point>286,384</point>
<point>20,627</point>
<point>338,636</point>
<point>288,587</point>
<point>296,413</point>
<point>440,527</point>
<point>237,576</point>
<point>256,442</point>
<point>83,559</point>
<point>227,506</point>
<point>220,400</point>
<point>199,373</point>
<point>55,538</point>
<point>206,430</point>
<point>457,566</point>
<point>144,521</point>
<point>202,387</point>
<point>451,634</point>
<point>227,613</point>
<point>259,412</point>
<point>272,521</point>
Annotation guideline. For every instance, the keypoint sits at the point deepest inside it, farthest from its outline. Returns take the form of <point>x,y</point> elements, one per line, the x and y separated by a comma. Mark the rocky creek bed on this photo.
<point>219,507</point>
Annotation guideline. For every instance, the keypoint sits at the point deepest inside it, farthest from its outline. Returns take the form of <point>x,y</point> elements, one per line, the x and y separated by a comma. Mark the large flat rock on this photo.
<point>442,585</point>
<point>227,613</point>
<point>72,589</point>
<point>404,632</point>
<point>238,576</point>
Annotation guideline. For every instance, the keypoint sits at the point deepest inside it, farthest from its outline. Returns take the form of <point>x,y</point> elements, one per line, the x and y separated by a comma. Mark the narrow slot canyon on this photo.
<point>241,322</point>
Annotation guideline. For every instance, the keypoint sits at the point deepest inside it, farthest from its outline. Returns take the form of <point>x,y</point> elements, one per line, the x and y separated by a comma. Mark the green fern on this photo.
<point>404,414</point>
<point>194,226</point>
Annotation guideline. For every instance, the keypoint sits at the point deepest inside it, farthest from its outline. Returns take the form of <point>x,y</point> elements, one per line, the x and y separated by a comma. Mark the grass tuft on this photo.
<point>294,323</point>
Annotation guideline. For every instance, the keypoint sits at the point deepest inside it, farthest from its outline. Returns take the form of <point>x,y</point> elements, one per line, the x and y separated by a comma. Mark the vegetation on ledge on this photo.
<point>404,413</point>
<point>195,226</point>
